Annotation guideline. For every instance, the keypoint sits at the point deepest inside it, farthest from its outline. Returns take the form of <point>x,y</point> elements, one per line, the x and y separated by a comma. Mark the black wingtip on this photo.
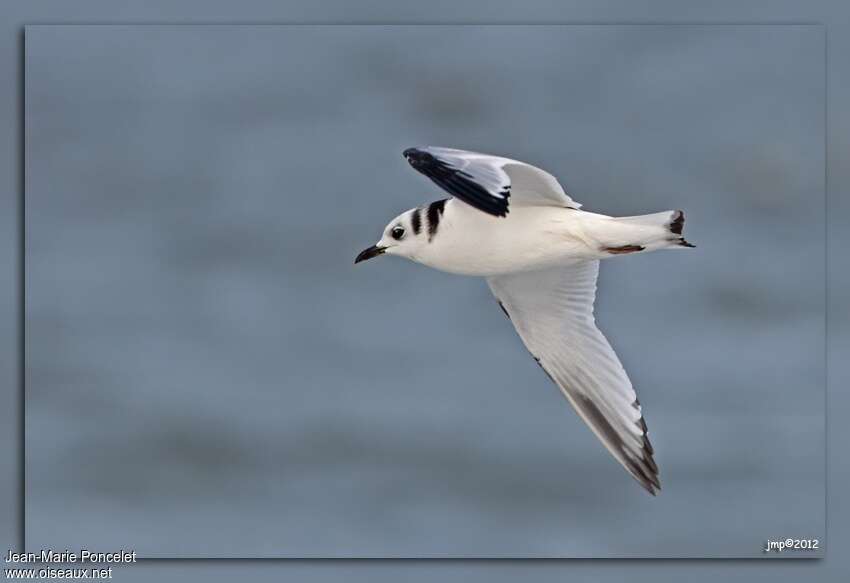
<point>422,161</point>
<point>645,471</point>
<point>417,156</point>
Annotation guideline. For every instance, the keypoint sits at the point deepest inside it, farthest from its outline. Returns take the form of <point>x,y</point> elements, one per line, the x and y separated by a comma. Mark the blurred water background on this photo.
<point>208,374</point>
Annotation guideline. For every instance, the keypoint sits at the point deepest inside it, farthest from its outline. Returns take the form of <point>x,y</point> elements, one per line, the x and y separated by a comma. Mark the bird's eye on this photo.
<point>397,233</point>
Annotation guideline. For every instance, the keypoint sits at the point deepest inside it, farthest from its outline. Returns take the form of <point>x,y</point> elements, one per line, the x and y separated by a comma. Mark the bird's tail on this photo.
<point>648,232</point>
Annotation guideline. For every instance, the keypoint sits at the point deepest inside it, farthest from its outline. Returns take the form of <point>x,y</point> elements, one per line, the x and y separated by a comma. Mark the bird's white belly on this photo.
<point>469,242</point>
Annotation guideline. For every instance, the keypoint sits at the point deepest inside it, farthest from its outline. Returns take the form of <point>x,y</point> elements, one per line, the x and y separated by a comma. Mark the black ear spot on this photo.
<point>416,221</point>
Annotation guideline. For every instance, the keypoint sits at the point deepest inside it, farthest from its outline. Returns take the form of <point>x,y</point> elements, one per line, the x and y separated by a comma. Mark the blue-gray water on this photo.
<point>209,375</point>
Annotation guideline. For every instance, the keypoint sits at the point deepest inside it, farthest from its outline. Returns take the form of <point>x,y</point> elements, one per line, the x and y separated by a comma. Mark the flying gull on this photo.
<point>513,224</point>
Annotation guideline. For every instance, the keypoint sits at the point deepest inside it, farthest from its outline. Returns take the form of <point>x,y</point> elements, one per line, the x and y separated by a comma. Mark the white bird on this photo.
<point>513,223</point>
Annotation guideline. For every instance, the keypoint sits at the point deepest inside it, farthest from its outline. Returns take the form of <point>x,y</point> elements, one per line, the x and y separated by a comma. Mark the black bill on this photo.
<point>372,251</point>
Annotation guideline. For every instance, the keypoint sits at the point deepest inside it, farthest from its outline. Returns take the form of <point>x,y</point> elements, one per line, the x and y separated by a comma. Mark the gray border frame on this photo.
<point>789,555</point>
<point>835,14</point>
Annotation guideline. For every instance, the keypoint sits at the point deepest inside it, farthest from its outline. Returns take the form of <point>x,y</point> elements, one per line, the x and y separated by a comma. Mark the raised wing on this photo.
<point>488,183</point>
<point>552,310</point>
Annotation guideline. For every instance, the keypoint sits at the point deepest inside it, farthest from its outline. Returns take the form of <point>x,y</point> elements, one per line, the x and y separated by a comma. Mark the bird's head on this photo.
<point>404,236</point>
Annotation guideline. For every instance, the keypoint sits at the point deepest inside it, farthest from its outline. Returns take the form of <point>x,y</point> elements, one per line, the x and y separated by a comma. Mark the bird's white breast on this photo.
<point>470,242</point>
